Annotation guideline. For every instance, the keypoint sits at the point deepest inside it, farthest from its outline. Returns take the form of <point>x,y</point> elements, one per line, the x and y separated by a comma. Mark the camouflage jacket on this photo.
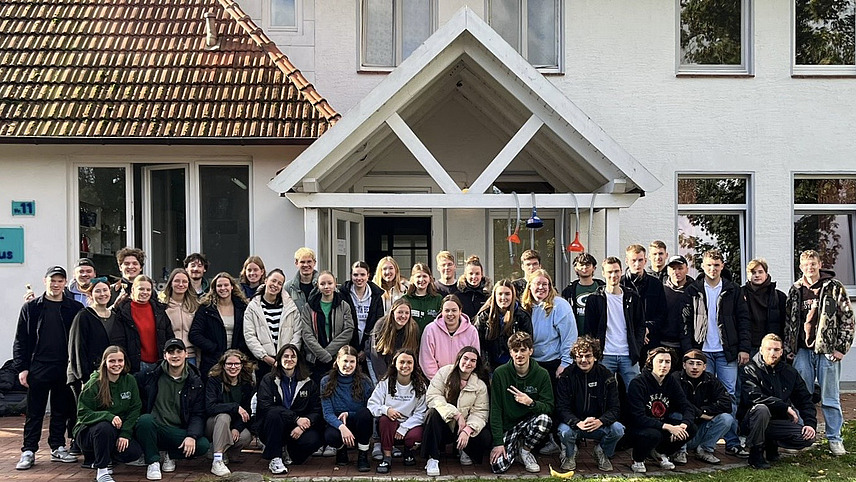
<point>836,322</point>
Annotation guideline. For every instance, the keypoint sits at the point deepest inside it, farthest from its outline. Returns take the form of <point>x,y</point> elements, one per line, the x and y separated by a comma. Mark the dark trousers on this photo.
<point>275,432</point>
<point>47,381</point>
<point>98,443</point>
<point>436,434</point>
<point>318,369</point>
<point>760,429</point>
<point>155,436</point>
<point>361,424</point>
<point>643,440</point>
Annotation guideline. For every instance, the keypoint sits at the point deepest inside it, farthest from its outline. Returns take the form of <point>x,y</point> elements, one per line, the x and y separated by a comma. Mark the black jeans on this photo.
<point>360,424</point>
<point>47,381</point>
<point>436,434</point>
<point>275,432</point>
<point>760,428</point>
<point>643,440</point>
<point>98,443</point>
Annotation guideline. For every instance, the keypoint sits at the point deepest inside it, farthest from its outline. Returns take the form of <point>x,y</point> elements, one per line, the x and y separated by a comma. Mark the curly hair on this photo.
<point>210,298</point>
<point>245,375</point>
<point>585,344</point>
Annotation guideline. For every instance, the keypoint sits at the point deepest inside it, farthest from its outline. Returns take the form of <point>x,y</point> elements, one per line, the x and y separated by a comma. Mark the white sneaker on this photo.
<point>219,469</point>
<point>319,452</point>
<point>277,467</point>
<point>377,453</point>
<point>167,464</point>
<point>62,455</point>
<point>705,456</point>
<point>837,448</point>
<point>153,472</point>
<point>28,459</point>
<point>329,451</point>
<point>680,458</point>
<point>465,459</point>
<point>639,467</point>
<point>529,461</point>
<point>665,463</point>
<point>549,448</point>
<point>432,468</point>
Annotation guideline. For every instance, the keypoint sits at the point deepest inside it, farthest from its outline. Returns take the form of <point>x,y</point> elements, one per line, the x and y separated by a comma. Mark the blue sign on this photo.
<point>12,244</point>
<point>23,208</point>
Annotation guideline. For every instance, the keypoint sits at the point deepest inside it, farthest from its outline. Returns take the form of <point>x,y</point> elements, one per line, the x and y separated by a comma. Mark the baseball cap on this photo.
<point>677,259</point>
<point>173,342</point>
<point>56,270</point>
<point>84,262</point>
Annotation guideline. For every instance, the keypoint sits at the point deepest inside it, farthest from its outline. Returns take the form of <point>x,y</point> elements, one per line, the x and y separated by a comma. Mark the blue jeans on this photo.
<point>811,366</point>
<point>709,432</point>
<point>621,365</point>
<point>726,372</point>
<point>607,435</point>
<point>146,367</point>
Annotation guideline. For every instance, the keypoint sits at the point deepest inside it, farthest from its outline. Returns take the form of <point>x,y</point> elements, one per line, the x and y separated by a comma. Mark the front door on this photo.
<point>405,238</point>
<point>165,215</point>
<point>346,243</point>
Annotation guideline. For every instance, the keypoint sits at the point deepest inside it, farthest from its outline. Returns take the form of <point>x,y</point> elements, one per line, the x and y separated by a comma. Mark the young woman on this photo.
<point>219,323</point>
<point>289,411</point>
<point>424,301</point>
<point>399,401</point>
<point>107,411</point>
<point>554,328</point>
<point>180,308</point>
<point>388,278</point>
<point>144,318</point>
<point>92,331</point>
<point>326,325</point>
<point>227,404</point>
<point>473,287</point>
<point>458,407</point>
<point>252,275</point>
<point>443,338</point>
<point>345,391</point>
<point>395,331</point>
<point>500,317</point>
<point>271,321</point>
<point>366,302</point>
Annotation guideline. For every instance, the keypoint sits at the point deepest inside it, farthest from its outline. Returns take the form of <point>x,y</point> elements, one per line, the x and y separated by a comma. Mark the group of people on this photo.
<point>503,370</point>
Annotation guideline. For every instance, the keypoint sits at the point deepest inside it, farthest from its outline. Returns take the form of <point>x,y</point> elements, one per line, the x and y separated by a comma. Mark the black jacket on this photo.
<point>495,352</point>
<point>306,401</point>
<point>634,318</point>
<point>208,334</point>
<point>650,403</point>
<point>778,387</point>
<point>163,329</point>
<point>732,318</point>
<point>87,341</point>
<point>580,395</point>
<point>776,313</point>
<point>215,402</point>
<point>650,290</point>
<point>672,328</point>
<point>708,395</point>
<point>29,321</point>
<point>375,313</point>
<point>192,409</point>
<point>472,297</point>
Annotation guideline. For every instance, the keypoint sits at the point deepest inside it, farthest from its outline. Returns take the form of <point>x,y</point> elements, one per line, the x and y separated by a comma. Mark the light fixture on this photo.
<point>534,222</point>
<point>238,183</point>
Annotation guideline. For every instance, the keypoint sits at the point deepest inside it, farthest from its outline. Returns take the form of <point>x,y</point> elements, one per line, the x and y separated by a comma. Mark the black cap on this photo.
<point>84,262</point>
<point>677,259</point>
<point>56,270</point>
<point>173,342</point>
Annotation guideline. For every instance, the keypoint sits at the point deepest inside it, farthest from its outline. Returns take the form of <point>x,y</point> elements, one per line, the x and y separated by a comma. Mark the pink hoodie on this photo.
<point>439,348</point>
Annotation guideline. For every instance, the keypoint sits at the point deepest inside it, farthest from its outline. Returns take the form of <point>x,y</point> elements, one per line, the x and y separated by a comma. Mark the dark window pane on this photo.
<point>712,191</point>
<point>168,221</point>
<point>825,32</point>
<point>831,235</point>
<point>225,217</point>
<point>710,32</point>
<point>825,191</point>
<point>103,215</point>
<point>698,233</point>
<point>508,266</point>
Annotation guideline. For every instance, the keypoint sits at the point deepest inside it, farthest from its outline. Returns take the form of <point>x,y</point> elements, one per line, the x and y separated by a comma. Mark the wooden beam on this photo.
<point>453,201</point>
<point>507,154</point>
<point>422,154</point>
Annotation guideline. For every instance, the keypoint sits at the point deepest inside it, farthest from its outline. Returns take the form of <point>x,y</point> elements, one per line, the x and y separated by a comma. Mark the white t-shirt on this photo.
<point>616,326</point>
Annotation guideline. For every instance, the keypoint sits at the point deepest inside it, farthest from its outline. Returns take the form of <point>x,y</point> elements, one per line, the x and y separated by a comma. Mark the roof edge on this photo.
<point>166,141</point>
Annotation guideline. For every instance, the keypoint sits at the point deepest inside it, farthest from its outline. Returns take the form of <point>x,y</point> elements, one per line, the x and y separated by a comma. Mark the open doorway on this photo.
<point>407,239</point>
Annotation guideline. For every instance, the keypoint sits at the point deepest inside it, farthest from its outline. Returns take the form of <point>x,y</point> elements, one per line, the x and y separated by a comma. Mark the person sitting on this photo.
<point>498,318</point>
<point>228,394</point>
<point>712,405</point>
<point>399,402</point>
<point>443,338</point>
<point>775,406</point>
<point>587,405</point>
<point>521,401</point>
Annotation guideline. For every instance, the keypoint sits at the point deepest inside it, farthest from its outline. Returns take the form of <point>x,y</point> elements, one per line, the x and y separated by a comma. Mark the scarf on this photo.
<point>758,299</point>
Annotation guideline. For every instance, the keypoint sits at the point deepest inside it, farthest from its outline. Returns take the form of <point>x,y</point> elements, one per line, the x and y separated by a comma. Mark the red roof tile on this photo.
<point>139,69</point>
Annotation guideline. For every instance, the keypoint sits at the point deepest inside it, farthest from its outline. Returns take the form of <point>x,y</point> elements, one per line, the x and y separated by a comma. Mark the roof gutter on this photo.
<point>174,141</point>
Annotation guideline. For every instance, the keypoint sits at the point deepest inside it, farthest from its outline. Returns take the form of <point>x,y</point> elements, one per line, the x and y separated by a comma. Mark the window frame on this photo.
<point>523,27</point>
<point>815,70</point>
<point>747,53</point>
<point>267,18</point>
<point>398,39</point>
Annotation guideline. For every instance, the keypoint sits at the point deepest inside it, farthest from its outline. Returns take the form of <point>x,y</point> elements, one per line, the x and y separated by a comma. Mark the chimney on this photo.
<point>212,42</point>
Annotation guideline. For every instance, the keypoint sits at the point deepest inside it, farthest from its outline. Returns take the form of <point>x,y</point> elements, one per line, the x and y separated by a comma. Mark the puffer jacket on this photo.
<point>312,320</point>
<point>732,319</point>
<point>257,333</point>
<point>778,387</point>
<point>472,297</point>
<point>835,326</point>
<point>473,401</point>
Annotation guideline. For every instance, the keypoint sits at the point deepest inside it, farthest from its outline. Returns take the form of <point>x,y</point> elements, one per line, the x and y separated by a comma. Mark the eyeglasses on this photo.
<point>230,364</point>
<point>695,363</point>
<point>584,356</point>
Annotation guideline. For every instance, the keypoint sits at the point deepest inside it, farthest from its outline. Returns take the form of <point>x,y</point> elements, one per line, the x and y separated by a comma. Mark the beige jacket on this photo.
<point>473,401</point>
<point>257,333</point>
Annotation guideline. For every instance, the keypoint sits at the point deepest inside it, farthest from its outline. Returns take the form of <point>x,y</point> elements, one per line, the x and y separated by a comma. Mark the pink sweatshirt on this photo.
<point>439,348</point>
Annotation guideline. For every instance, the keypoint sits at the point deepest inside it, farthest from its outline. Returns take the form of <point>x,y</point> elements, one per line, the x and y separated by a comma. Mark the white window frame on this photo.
<point>814,70</point>
<point>267,18</point>
<point>821,209</point>
<point>744,210</point>
<point>397,33</point>
<point>747,58</point>
<point>559,68</point>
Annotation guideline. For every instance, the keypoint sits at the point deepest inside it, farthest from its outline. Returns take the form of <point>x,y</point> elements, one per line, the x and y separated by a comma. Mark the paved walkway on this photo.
<point>319,468</point>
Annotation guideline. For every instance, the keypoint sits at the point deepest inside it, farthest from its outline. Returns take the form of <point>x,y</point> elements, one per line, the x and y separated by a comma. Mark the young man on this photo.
<point>775,406</point>
<point>670,332</point>
<point>40,356</point>
<point>578,291</point>
<point>711,403</point>
<point>614,315</point>
<point>530,261</point>
<point>650,289</point>
<point>521,402</point>
<point>818,333</point>
<point>447,282</point>
<point>587,406</point>
<point>196,265</point>
<point>658,255</point>
<point>716,321</point>
<point>173,420</point>
<point>766,304</point>
<point>84,271</point>
<point>306,278</point>
<point>131,262</point>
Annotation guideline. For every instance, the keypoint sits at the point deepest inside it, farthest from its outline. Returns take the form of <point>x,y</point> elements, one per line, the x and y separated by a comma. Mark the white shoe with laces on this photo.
<point>837,448</point>
<point>219,469</point>
<point>432,468</point>
<point>153,471</point>
<point>28,459</point>
<point>277,467</point>
<point>167,464</point>
<point>529,461</point>
<point>465,459</point>
<point>639,467</point>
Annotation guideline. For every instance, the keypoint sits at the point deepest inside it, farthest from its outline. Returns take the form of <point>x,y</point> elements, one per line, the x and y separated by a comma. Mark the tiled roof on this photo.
<point>133,69</point>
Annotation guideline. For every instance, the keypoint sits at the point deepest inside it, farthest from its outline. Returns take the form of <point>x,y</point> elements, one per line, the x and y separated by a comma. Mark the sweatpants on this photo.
<point>643,440</point>
<point>760,428</point>
<point>275,432</point>
<point>218,429</point>
<point>530,432</point>
<point>47,381</point>
<point>360,424</point>
<point>98,443</point>
<point>436,434</point>
<point>387,429</point>
<point>155,436</point>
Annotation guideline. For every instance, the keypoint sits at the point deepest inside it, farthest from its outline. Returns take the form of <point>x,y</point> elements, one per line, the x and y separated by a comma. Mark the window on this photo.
<point>824,36</point>
<point>712,214</point>
<point>824,208</point>
<point>543,240</point>
<point>392,29</point>
<point>532,27</point>
<point>283,13</point>
<point>714,37</point>
<point>224,217</point>
<point>102,194</point>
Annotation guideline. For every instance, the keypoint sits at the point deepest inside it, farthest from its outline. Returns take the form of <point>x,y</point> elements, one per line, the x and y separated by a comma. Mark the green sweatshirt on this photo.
<point>167,409</point>
<point>505,413</point>
<point>126,404</point>
<point>424,309</point>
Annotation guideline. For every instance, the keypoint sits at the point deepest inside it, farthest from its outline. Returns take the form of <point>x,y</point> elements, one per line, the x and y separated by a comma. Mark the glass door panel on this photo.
<point>103,215</point>
<point>165,219</point>
<point>224,211</point>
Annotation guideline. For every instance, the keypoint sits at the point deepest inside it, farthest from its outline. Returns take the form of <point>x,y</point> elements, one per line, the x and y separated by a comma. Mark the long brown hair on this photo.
<point>492,311</point>
<point>104,398</point>
<point>528,301</point>
<point>191,302</point>
<point>333,376</point>
<point>300,370</point>
<point>210,298</point>
<point>244,376</point>
<point>258,262</point>
<point>453,382</point>
<point>385,341</point>
<point>421,268</point>
<point>417,378</point>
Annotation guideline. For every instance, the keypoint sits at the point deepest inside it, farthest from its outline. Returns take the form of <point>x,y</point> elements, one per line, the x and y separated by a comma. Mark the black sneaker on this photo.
<point>756,458</point>
<point>363,461</point>
<point>74,449</point>
<point>737,451</point>
<point>342,456</point>
<point>409,458</point>
<point>383,467</point>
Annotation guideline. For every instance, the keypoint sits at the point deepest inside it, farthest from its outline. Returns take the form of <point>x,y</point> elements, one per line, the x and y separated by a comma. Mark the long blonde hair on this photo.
<point>378,276</point>
<point>385,341</point>
<point>190,303</point>
<point>528,301</point>
<point>104,398</point>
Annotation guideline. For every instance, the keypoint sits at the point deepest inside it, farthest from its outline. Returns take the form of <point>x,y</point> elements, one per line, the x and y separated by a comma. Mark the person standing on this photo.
<point>425,303</point>
<point>499,318</point>
<point>252,275</point>
<point>366,302</point>
<point>84,272</point>
<point>144,320</point>
<point>196,265</point>
<point>271,321</point>
<point>388,278</point>
<point>131,262</point>
<point>649,288</point>
<point>670,332</point>
<point>447,282</point>
<point>766,304</point>
<point>305,279</point>
<point>578,291</point>
<point>219,323</point>
<point>473,287</point>
<point>530,262</point>
<point>444,338</point>
<point>393,332</point>
<point>181,307</point>
<point>327,325</point>
<point>657,255</point>
<point>818,334</point>
<point>40,357</point>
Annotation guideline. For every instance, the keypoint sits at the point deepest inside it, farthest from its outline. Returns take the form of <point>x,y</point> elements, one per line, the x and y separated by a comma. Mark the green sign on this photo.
<point>12,244</point>
<point>23,208</point>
